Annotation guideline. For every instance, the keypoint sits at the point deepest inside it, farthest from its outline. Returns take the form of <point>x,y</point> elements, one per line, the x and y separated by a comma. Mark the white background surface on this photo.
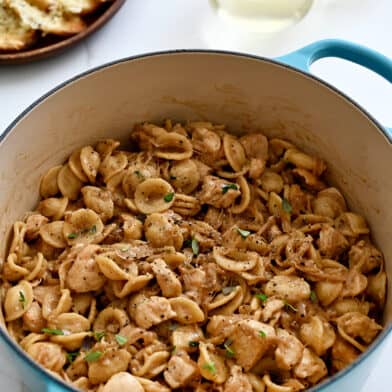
<point>150,25</point>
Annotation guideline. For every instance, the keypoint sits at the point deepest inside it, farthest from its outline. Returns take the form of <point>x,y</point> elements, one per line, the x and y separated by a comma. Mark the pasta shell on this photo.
<point>184,176</point>
<point>111,320</point>
<point>53,207</point>
<point>245,197</point>
<point>351,225</point>
<point>173,146</point>
<point>68,183</point>
<point>304,161</point>
<point>123,288</point>
<point>231,306</point>
<point>98,200</point>
<point>52,234</point>
<point>123,381</point>
<point>69,323</point>
<point>235,260</point>
<point>90,162</point>
<point>17,301</point>
<point>271,182</point>
<point>56,302</point>
<point>49,355</point>
<point>135,175</point>
<point>82,226</point>
<point>113,164</point>
<point>291,288</point>
<point>234,152</point>
<point>211,366</point>
<point>186,205</point>
<point>187,311</point>
<point>48,186</point>
<point>76,166</point>
<point>106,147</point>
<point>152,196</point>
<point>71,342</point>
<point>110,268</point>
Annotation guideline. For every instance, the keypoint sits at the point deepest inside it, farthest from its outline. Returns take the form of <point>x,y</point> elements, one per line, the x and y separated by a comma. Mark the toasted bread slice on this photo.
<point>78,7</point>
<point>51,22</point>
<point>13,35</point>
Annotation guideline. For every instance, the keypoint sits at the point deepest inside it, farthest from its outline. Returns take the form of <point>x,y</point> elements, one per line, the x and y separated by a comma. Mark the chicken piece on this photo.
<point>218,193</point>
<point>132,228</point>
<point>84,274</point>
<point>251,333</point>
<point>33,319</point>
<point>161,230</point>
<point>224,326</point>
<point>290,288</point>
<point>122,381</point>
<point>152,311</point>
<point>237,382</point>
<point>310,367</point>
<point>299,200</point>
<point>214,217</point>
<point>207,144</point>
<point>332,242</point>
<point>206,236</point>
<point>167,279</point>
<point>193,279</point>
<point>356,324</point>
<point>255,146</point>
<point>33,224</point>
<point>183,336</point>
<point>256,168</point>
<point>289,351</point>
<point>343,353</point>
<point>49,355</point>
<point>365,257</point>
<point>355,284</point>
<point>271,307</point>
<point>180,370</point>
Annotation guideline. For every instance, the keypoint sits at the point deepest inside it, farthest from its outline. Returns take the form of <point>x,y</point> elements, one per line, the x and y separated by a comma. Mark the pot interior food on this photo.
<point>245,93</point>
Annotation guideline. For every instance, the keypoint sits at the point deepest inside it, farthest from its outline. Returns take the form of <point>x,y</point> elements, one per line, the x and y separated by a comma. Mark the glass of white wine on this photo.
<point>261,16</point>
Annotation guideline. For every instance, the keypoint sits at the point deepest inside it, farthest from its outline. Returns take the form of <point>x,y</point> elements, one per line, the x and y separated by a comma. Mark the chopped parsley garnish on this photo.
<point>313,297</point>
<point>93,356</point>
<point>262,334</point>
<point>173,177</point>
<point>121,340</point>
<point>187,243</point>
<point>173,327</point>
<point>195,246</point>
<point>243,233</point>
<point>210,367</point>
<point>51,331</point>
<point>99,335</point>
<point>262,297</point>
<point>168,197</point>
<point>93,229</point>
<point>226,187</point>
<point>286,206</point>
<point>22,299</point>
<point>72,356</point>
<point>228,289</point>
<point>229,351</point>
<point>192,343</point>
<point>173,350</point>
<point>72,236</point>
<point>290,307</point>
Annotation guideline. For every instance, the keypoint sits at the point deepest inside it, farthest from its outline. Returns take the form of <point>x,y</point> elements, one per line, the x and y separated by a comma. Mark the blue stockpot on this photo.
<point>350,379</point>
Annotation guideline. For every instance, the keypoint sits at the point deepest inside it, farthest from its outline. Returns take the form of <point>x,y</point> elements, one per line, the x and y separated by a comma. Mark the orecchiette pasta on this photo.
<point>197,261</point>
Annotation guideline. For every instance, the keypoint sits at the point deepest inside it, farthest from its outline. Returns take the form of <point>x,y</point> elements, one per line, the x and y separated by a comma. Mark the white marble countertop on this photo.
<point>151,25</point>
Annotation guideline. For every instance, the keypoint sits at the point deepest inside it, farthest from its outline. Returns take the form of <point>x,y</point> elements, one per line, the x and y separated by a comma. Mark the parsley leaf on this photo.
<point>99,335</point>
<point>192,343</point>
<point>195,246</point>
<point>121,340</point>
<point>93,356</point>
<point>226,187</point>
<point>243,233</point>
<point>51,331</point>
<point>173,350</point>
<point>173,177</point>
<point>229,351</point>
<point>262,297</point>
<point>262,334</point>
<point>210,367</point>
<point>72,236</point>
<point>139,174</point>
<point>72,356</point>
<point>93,229</point>
<point>286,206</point>
<point>313,297</point>
<point>168,197</point>
<point>173,327</point>
<point>22,299</point>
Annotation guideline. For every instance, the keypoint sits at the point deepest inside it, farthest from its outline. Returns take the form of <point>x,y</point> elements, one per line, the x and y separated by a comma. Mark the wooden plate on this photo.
<point>51,45</point>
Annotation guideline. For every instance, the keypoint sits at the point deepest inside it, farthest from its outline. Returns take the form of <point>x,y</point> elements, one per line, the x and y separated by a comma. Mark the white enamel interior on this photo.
<point>245,93</point>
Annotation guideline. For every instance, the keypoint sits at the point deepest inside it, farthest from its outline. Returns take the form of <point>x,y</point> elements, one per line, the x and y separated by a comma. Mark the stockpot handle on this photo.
<point>303,58</point>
